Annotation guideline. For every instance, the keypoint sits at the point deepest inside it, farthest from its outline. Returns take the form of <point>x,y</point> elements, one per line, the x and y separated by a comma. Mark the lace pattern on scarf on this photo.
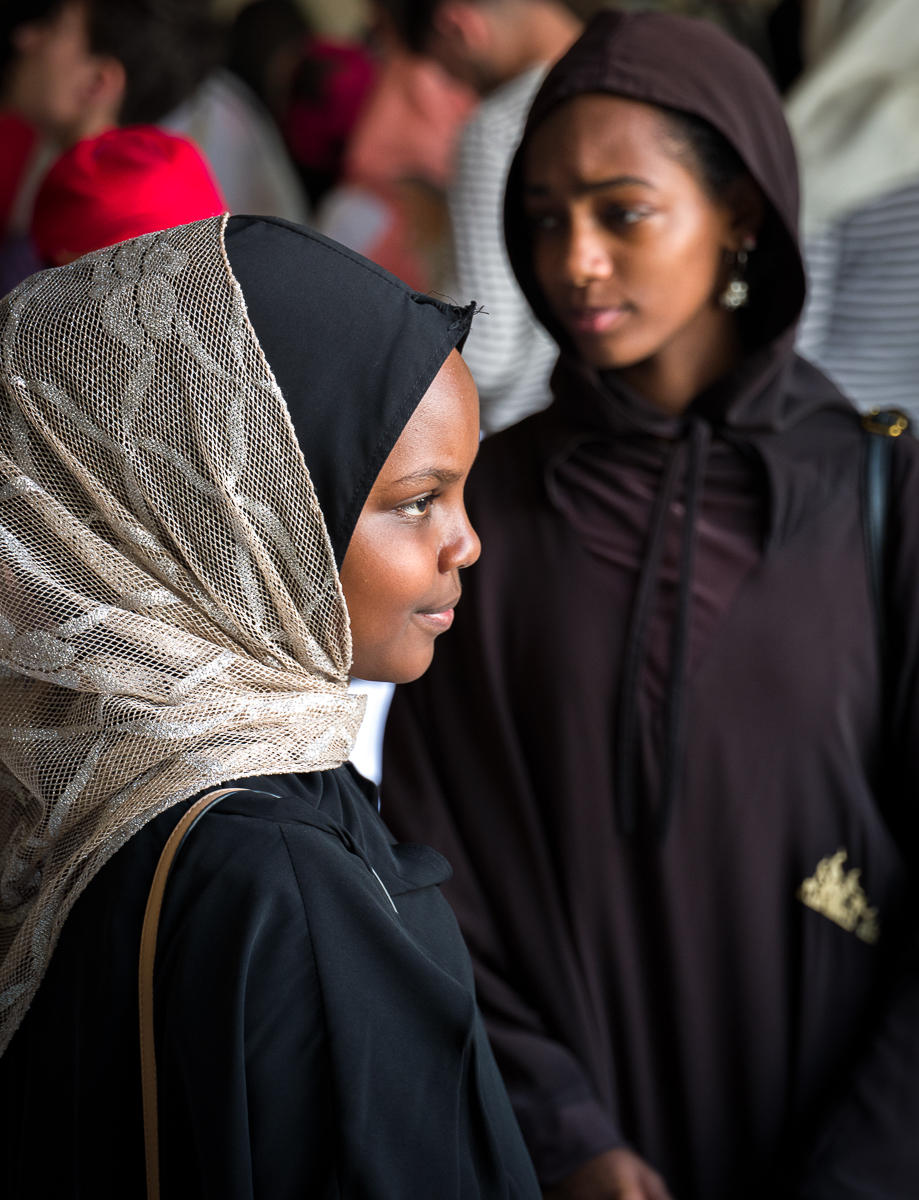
<point>170,612</point>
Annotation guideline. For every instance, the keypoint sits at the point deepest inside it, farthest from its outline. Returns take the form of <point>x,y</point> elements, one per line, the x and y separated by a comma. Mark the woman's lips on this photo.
<point>438,619</point>
<point>595,320</point>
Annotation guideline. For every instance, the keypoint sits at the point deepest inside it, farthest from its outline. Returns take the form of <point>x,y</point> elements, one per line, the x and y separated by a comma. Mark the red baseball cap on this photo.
<point>120,184</point>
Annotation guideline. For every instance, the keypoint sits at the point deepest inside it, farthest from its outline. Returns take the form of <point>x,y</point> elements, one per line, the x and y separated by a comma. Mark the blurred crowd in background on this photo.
<point>389,125</point>
<point>349,117</point>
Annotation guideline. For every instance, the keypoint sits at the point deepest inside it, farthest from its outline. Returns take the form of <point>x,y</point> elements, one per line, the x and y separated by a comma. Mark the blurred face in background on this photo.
<point>466,39</point>
<point>55,81</point>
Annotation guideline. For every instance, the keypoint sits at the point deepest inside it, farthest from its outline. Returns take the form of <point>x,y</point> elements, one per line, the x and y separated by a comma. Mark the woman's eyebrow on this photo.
<point>427,474</point>
<point>538,190</point>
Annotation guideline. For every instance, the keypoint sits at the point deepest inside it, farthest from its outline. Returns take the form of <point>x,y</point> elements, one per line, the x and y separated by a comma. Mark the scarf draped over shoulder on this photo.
<point>171,615</point>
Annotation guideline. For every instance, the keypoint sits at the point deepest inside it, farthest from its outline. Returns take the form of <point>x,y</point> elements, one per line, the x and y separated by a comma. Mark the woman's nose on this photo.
<point>588,259</point>
<point>463,548</point>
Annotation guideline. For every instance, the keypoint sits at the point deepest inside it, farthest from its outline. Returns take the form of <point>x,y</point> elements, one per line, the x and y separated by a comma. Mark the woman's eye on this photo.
<point>543,222</point>
<point>618,215</point>
<point>417,508</point>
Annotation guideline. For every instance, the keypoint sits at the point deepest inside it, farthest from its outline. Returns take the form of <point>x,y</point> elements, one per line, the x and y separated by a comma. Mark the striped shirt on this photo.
<point>861,321</point>
<point>510,355</point>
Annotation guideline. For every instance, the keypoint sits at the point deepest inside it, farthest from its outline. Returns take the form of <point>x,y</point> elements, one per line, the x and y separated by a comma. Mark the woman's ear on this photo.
<point>106,85</point>
<point>748,209</point>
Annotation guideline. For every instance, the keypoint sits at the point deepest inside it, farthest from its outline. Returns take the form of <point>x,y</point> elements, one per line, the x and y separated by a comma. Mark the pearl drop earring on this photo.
<point>737,293</point>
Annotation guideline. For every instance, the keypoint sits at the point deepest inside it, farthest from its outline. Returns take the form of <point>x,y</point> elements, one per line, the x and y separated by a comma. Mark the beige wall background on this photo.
<point>347,18</point>
<point>339,18</point>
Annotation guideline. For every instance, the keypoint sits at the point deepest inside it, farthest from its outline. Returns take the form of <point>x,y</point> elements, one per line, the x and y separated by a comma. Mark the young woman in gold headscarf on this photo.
<point>232,460</point>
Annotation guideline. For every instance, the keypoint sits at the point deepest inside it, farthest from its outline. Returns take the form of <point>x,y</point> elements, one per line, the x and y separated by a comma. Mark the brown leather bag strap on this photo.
<point>145,981</point>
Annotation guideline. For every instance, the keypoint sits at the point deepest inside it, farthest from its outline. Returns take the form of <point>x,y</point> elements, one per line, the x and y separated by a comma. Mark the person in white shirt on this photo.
<point>501,48</point>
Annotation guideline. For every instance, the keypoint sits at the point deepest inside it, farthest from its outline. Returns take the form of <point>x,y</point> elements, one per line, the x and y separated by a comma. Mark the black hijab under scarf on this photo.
<point>352,348</point>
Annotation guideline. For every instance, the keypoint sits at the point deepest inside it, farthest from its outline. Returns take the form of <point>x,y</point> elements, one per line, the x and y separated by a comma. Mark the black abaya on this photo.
<point>316,1024</point>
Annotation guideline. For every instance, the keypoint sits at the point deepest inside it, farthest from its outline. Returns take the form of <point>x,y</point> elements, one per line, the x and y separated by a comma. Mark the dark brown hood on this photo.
<point>690,65</point>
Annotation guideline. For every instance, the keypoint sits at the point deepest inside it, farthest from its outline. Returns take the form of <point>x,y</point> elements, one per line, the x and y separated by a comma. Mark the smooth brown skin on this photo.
<point>413,537</point>
<point>623,227</point>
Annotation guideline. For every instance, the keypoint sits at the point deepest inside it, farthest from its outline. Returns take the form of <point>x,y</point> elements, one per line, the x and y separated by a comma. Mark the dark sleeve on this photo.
<point>455,777</point>
<point>868,1144</point>
<point>243,1072</point>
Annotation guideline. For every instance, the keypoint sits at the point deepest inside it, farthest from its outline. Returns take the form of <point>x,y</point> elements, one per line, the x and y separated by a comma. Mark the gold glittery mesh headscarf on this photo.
<point>170,611</point>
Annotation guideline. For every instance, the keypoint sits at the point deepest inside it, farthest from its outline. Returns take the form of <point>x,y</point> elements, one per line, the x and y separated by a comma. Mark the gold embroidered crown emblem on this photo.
<point>838,895</point>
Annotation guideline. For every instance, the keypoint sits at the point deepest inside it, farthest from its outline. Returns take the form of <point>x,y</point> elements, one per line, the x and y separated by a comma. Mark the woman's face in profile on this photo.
<point>400,575</point>
<point>628,248</point>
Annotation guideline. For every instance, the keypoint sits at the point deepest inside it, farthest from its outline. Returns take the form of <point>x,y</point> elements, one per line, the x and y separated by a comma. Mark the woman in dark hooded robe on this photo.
<point>678,790</point>
<point>232,459</point>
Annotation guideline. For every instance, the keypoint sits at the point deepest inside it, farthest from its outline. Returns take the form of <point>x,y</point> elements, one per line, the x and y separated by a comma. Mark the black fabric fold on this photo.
<point>636,645</point>
<point>690,452</point>
<point>699,440</point>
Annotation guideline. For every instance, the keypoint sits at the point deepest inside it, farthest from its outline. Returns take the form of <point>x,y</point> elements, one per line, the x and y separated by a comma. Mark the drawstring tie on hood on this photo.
<point>693,447</point>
